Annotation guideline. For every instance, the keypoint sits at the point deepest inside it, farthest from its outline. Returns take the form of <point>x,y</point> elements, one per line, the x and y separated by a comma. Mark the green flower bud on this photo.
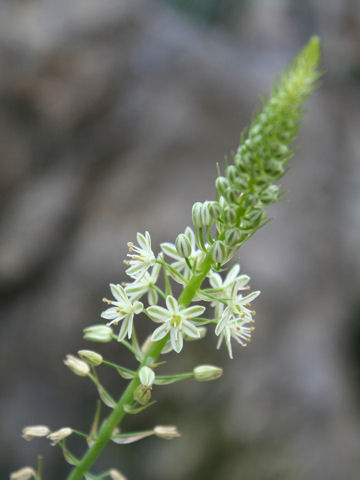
<point>274,167</point>
<point>233,236</point>
<point>207,218</point>
<point>231,195</point>
<point>183,245</point>
<point>77,366</point>
<point>229,216</point>
<point>255,216</point>
<point>98,333</point>
<point>221,185</point>
<point>215,210</point>
<point>146,376</point>
<point>219,252</point>
<point>142,394</point>
<point>196,214</point>
<point>207,373</point>
<point>270,195</point>
<point>90,357</point>
<point>231,173</point>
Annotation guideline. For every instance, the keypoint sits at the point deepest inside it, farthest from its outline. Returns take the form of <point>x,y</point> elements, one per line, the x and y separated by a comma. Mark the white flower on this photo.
<point>175,320</point>
<point>237,307</point>
<point>180,263</point>
<point>122,309</point>
<point>145,284</point>
<point>237,330</point>
<point>142,259</point>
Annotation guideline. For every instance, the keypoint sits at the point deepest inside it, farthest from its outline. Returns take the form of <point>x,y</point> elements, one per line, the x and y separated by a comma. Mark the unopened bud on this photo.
<point>221,184</point>
<point>24,473</point>
<point>146,376</point>
<point>206,216</point>
<point>142,394</point>
<point>116,475</point>
<point>270,195</point>
<point>219,252</point>
<point>233,236</point>
<point>196,214</point>
<point>77,366</point>
<point>35,431</point>
<point>231,173</point>
<point>183,245</point>
<point>230,216</point>
<point>231,195</point>
<point>90,357</point>
<point>215,209</point>
<point>56,437</point>
<point>98,333</point>
<point>166,431</point>
<point>207,373</point>
<point>255,216</point>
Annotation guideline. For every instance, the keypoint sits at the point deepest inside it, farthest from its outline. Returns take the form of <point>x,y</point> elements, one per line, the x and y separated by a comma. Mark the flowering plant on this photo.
<point>208,300</point>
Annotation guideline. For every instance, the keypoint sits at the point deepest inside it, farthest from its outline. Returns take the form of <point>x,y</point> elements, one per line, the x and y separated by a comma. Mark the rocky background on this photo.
<point>113,115</point>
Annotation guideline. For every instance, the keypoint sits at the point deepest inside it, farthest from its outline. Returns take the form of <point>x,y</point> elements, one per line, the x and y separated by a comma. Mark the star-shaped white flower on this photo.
<point>238,307</point>
<point>145,284</point>
<point>142,259</point>
<point>175,320</point>
<point>180,263</point>
<point>122,309</point>
<point>236,329</point>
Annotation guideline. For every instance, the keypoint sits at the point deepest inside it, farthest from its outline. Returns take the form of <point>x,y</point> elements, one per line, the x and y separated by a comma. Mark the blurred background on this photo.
<point>113,115</point>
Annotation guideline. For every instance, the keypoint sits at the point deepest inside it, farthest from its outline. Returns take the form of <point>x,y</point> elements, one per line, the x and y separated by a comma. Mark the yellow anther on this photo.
<point>252,328</point>
<point>248,305</point>
<point>126,262</point>
<point>123,284</point>
<point>109,302</point>
<point>247,287</point>
<point>254,312</point>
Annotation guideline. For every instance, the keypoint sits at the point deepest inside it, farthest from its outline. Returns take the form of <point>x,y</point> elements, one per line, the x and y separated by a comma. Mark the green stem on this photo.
<point>127,397</point>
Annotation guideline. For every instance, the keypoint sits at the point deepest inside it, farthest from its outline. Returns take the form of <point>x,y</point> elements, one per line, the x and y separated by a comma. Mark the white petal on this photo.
<point>190,329</point>
<point>158,314</point>
<point>176,339</point>
<point>194,311</point>
<point>118,292</point>
<point>152,297</point>
<point>138,307</point>
<point>251,297</point>
<point>233,273</point>
<point>169,250</point>
<point>172,304</point>
<point>160,333</point>
<point>111,313</point>
<point>215,280</point>
<point>141,240</point>
<point>228,342</point>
